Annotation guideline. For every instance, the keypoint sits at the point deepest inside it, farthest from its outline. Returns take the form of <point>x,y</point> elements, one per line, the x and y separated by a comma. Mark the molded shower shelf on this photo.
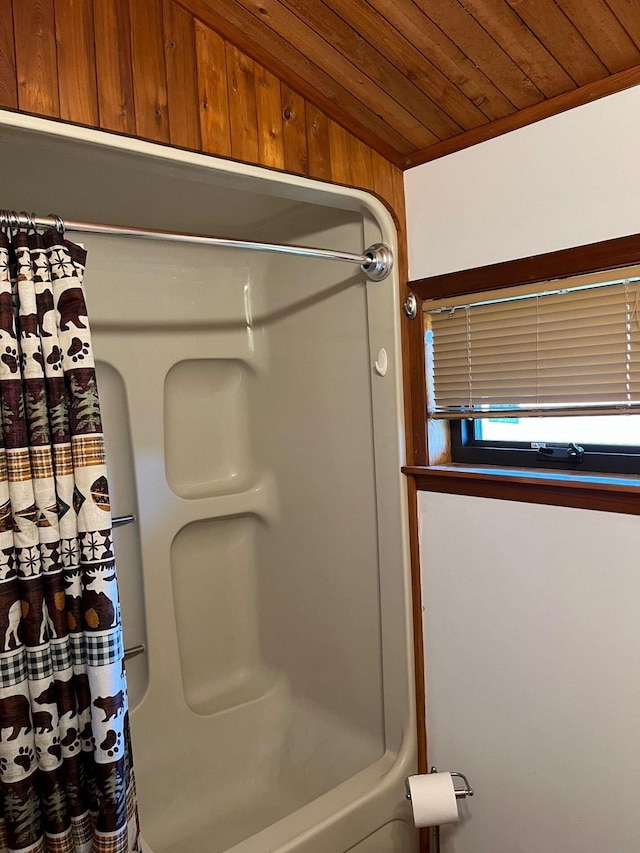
<point>215,592</point>
<point>206,420</point>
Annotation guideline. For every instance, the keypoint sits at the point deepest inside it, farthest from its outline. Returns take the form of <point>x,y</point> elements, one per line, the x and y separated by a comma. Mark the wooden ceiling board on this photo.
<point>417,79</point>
<point>335,30</point>
<point>407,59</point>
<point>628,13</point>
<point>562,39</point>
<point>523,46</point>
<point>605,34</point>
<point>483,50</point>
<point>431,42</point>
<point>277,15</point>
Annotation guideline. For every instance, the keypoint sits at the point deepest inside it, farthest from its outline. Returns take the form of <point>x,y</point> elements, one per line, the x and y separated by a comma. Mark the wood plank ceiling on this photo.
<point>416,79</point>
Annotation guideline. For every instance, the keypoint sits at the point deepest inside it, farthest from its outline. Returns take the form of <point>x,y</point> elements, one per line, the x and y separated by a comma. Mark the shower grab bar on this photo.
<point>376,261</point>
<point>134,651</point>
<point>122,519</point>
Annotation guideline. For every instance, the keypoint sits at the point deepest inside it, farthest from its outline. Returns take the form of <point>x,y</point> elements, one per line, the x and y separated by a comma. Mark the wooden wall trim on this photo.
<point>582,492</point>
<point>416,452</point>
<point>413,356</point>
<point>578,260</point>
<point>529,115</point>
<point>418,639</point>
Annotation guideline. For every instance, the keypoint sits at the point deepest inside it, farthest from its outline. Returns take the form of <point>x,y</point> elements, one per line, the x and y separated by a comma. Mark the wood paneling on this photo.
<point>628,13</point>
<point>360,158</point>
<point>294,126</point>
<point>112,33</point>
<point>212,91</point>
<point>36,60</point>
<point>8,82</point>
<point>269,106</point>
<point>382,172</point>
<point>149,71</point>
<point>182,83</point>
<point>243,109</point>
<point>562,37</point>
<point>276,53</point>
<point>415,66</point>
<point>417,79</point>
<point>318,141</point>
<point>335,63</point>
<point>456,66</point>
<point>339,152</point>
<point>76,61</point>
<point>504,25</point>
<point>452,18</point>
<point>350,44</point>
<point>600,29</point>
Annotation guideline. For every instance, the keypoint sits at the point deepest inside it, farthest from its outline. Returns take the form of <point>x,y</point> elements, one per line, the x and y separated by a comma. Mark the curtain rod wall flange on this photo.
<point>376,262</point>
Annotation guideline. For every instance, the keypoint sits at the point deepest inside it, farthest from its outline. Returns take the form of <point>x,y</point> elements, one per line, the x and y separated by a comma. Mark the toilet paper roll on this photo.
<point>433,799</point>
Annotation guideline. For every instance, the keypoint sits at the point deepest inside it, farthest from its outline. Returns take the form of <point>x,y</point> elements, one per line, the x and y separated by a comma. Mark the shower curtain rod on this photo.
<point>376,261</point>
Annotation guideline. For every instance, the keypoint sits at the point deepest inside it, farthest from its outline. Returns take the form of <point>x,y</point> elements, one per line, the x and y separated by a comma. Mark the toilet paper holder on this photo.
<point>460,793</point>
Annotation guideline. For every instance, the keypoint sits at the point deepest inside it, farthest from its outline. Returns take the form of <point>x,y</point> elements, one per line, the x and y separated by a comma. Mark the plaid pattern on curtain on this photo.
<point>66,775</point>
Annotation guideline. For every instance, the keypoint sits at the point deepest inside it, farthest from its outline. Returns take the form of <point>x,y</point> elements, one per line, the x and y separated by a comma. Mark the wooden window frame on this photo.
<point>428,464</point>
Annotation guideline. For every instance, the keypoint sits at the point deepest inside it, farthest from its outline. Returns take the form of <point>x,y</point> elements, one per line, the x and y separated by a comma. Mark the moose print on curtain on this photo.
<point>66,776</point>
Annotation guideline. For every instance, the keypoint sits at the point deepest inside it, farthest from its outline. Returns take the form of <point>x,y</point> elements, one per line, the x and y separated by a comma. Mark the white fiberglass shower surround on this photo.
<point>259,447</point>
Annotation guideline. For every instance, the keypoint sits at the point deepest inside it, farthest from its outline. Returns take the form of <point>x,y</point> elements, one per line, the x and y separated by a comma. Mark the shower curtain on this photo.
<point>66,776</point>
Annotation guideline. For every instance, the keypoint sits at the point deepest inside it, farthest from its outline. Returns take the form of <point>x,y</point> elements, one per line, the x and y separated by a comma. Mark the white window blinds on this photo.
<point>569,352</point>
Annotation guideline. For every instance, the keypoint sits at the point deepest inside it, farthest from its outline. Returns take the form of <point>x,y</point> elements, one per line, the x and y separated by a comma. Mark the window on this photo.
<point>540,376</point>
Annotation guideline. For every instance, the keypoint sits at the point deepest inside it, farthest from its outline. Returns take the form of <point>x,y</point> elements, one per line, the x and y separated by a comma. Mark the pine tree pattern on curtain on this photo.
<point>66,775</point>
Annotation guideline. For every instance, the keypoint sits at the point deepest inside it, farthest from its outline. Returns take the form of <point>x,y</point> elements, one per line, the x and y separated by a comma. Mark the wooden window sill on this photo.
<point>585,491</point>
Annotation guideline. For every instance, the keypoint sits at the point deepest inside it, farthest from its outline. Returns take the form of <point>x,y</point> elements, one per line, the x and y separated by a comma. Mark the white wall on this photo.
<point>533,642</point>
<point>532,646</point>
<point>566,181</point>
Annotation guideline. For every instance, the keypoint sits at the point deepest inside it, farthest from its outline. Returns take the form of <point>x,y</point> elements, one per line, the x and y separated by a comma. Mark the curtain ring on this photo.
<point>59,223</point>
<point>29,224</point>
<point>12,223</point>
